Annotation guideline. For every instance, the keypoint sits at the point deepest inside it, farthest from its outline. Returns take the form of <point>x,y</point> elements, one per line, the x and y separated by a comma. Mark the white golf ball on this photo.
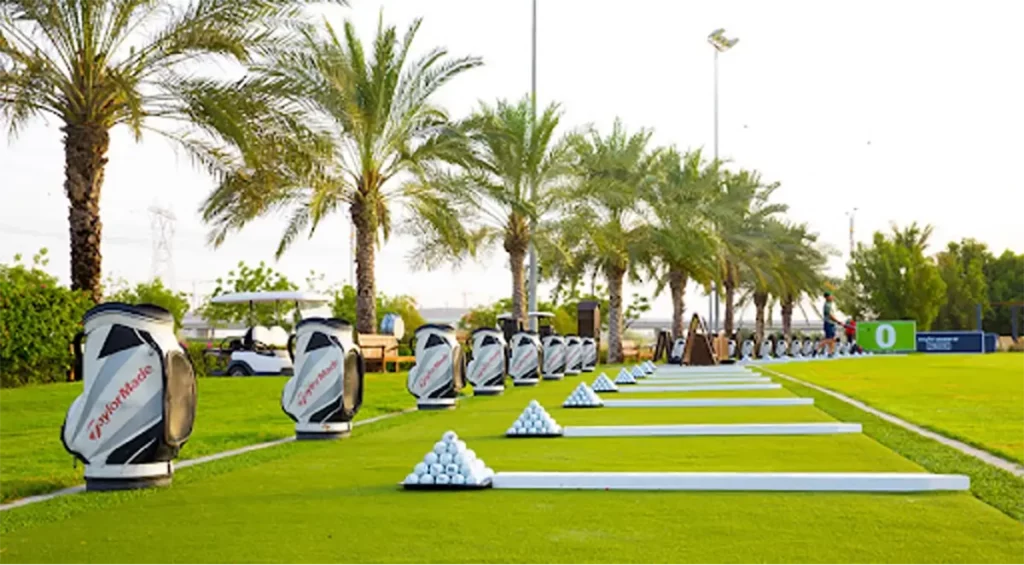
<point>442,480</point>
<point>465,469</point>
<point>470,455</point>
<point>450,436</point>
<point>461,445</point>
<point>453,448</point>
<point>532,430</point>
<point>421,468</point>
<point>430,458</point>
<point>427,480</point>
<point>459,480</point>
<point>412,479</point>
<point>488,472</point>
<point>440,447</point>
<point>534,403</point>
<point>451,469</point>
<point>436,469</point>
<point>511,431</point>
<point>445,458</point>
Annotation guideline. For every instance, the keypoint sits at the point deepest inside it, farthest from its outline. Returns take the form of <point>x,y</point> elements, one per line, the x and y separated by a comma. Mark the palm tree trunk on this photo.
<point>615,277</point>
<point>760,301</point>
<point>366,282</point>
<point>677,286</point>
<point>787,316</point>
<point>730,297</point>
<point>85,150</point>
<point>517,262</point>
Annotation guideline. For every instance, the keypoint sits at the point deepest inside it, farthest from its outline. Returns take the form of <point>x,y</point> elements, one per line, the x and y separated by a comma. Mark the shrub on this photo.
<point>38,321</point>
<point>204,364</point>
<point>153,292</point>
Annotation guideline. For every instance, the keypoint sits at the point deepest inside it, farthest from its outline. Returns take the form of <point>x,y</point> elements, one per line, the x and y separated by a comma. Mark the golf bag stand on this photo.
<point>555,353</point>
<point>138,401</point>
<point>573,355</point>
<point>486,370</point>
<point>439,373</point>
<point>326,389</point>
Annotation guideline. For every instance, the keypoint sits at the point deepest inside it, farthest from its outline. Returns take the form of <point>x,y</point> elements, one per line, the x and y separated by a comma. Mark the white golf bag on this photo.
<point>486,370</point>
<point>795,349</point>
<point>439,373</point>
<point>555,353</point>
<point>732,349</point>
<point>526,358</point>
<point>748,350</point>
<point>573,355</point>
<point>678,348</point>
<point>808,348</point>
<point>326,389</point>
<point>589,347</point>
<point>781,349</point>
<point>766,349</point>
<point>138,403</point>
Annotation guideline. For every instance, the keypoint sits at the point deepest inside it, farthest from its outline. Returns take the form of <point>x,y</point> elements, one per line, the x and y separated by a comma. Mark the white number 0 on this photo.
<point>885,336</point>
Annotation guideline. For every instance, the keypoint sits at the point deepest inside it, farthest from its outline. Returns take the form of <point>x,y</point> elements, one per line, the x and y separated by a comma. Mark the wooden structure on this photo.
<point>698,345</point>
<point>376,349</point>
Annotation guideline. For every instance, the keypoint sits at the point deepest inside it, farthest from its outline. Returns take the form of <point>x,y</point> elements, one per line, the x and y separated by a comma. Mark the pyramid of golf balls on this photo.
<point>450,463</point>
<point>639,373</point>
<point>534,421</point>
<point>604,384</point>
<point>648,367</point>
<point>583,397</point>
<point>625,378</point>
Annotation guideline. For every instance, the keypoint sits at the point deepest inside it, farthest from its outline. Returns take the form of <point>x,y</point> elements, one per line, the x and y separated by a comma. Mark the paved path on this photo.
<point>960,446</point>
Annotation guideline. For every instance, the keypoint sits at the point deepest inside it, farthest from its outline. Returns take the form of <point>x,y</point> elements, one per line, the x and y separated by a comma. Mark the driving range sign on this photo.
<point>887,335</point>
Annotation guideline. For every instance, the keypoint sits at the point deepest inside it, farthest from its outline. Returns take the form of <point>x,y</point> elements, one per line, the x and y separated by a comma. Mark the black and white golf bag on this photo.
<point>675,357</point>
<point>573,355</point>
<point>732,349</point>
<point>766,349</point>
<point>796,349</point>
<point>588,345</point>
<point>138,403</point>
<point>781,349</point>
<point>843,349</point>
<point>808,348</point>
<point>748,350</point>
<point>526,358</point>
<point>555,353</point>
<point>439,373</point>
<point>486,371</point>
<point>326,389</point>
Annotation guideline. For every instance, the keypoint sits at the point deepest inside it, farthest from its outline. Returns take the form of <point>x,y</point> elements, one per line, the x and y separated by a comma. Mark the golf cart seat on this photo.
<point>260,334</point>
<point>278,336</point>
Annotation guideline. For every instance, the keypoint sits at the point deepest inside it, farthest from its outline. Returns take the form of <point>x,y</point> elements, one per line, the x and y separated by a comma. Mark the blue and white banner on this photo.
<point>955,342</point>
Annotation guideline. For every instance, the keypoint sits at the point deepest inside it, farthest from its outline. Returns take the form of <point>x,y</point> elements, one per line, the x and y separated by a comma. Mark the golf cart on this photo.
<point>263,350</point>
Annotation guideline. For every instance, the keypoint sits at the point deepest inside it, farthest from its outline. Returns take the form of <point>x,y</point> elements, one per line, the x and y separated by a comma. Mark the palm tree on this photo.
<point>98,64</point>
<point>801,269</point>
<point>377,110</point>
<point>516,176</point>
<point>603,216</point>
<point>740,214</point>
<point>682,241</point>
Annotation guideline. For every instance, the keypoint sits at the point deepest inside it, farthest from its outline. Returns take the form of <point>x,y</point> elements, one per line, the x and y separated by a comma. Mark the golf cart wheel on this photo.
<point>237,371</point>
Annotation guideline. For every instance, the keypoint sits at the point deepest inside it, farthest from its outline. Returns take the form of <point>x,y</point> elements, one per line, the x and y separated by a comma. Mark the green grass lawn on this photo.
<point>231,413</point>
<point>340,501</point>
<point>978,399</point>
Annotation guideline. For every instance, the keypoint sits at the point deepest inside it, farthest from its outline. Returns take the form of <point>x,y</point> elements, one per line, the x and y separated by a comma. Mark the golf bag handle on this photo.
<point>76,347</point>
<point>291,346</point>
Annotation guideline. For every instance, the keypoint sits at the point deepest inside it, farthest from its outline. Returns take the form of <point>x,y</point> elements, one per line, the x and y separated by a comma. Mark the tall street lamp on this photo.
<point>721,43</point>
<point>532,292</point>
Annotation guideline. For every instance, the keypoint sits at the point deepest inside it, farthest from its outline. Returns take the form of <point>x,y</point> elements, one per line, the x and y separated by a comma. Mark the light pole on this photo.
<point>532,293</point>
<point>721,44</point>
<point>851,214</point>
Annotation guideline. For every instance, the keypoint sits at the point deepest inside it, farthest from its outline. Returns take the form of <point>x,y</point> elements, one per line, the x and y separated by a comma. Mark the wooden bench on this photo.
<point>376,348</point>
<point>633,351</point>
<point>398,360</point>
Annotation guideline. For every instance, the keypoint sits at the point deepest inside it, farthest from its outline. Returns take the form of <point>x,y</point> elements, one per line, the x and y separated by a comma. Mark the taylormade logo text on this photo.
<point>96,424</point>
<point>422,382</point>
<point>304,398</point>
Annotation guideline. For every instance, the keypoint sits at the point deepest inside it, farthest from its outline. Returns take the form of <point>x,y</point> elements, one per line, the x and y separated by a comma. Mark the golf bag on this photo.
<point>573,355</point>
<point>486,370</point>
<point>766,349</point>
<point>795,349</point>
<point>326,390</point>
<point>526,359</point>
<point>439,373</point>
<point>808,348</point>
<point>748,350</point>
<point>675,357</point>
<point>781,349</point>
<point>138,403</point>
<point>555,353</point>
<point>589,347</point>
<point>732,349</point>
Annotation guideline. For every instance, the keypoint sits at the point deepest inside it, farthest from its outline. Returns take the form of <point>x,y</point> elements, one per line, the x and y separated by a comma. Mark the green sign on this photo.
<point>895,335</point>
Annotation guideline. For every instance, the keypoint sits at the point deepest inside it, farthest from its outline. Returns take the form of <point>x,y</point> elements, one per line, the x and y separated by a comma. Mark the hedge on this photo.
<point>38,321</point>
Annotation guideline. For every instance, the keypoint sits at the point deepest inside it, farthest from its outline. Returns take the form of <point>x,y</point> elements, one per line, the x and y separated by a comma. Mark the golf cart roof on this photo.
<point>540,314</point>
<point>505,316</point>
<point>270,296</point>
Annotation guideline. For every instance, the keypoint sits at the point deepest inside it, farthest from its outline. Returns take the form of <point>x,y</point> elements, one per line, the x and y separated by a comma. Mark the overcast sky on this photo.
<point>905,110</point>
